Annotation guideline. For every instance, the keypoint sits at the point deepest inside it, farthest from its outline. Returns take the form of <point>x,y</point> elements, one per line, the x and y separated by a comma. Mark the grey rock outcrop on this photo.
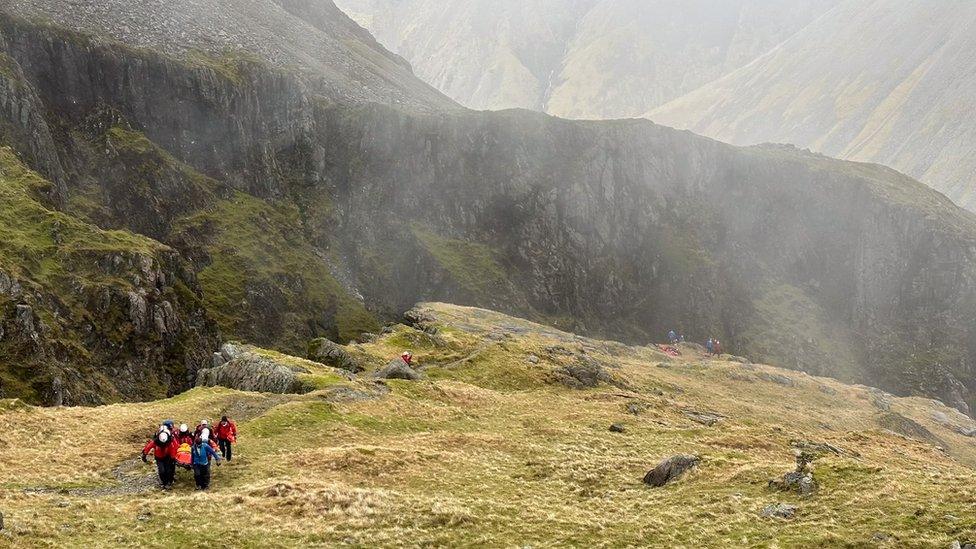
<point>247,370</point>
<point>801,480</point>
<point>332,354</point>
<point>671,469</point>
<point>705,418</point>
<point>398,369</point>
<point>583,373</point>
<point>779,510</point>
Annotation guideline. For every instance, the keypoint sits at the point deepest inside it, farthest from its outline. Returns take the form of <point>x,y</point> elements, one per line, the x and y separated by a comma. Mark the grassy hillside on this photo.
<point>495,448</point>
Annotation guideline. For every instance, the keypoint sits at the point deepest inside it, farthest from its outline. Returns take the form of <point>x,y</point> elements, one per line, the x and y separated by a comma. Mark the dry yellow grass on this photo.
<point>491,451</point>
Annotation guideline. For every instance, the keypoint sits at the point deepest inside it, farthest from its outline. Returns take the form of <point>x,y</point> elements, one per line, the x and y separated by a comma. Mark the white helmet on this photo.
<point>205,435</point>
<point>204,422</point>
<point>163,436</point>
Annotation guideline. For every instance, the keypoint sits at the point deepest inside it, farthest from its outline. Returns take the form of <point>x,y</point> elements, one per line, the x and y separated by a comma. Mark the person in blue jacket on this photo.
<point>202,453</point>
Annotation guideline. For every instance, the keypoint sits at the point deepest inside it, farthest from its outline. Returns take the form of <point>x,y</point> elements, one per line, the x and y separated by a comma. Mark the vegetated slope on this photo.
<point>880,81</point>
<point>494,447</point>
<point>86,315</point>
<point>579,58</point>
<point>306,217</point>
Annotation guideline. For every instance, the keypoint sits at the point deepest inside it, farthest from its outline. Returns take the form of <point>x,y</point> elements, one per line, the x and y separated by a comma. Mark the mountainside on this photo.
<point>506,441</point>
<point>336,57</point>
<point>302,213</point>
<point>86,315</point>
<point>890,85</point>
<point>578,58</point>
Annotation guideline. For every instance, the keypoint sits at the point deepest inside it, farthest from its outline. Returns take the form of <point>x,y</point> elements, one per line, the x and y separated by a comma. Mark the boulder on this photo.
<point>583,373</point>
<point>636,408</point>
<point>827,390</point>
<point>332,354</point>
<point>801,479</point>
<point>705,418</point>
<point>617,428</point>
<point>779,510</point>
<point>798,482</point>
<point>880,399</point>
<point>671,469</point>
<point>397,369</point>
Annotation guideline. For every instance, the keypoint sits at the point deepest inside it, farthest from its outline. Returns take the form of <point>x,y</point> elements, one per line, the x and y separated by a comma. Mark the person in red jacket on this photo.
<point>226,433</point>
<point>164,449</point>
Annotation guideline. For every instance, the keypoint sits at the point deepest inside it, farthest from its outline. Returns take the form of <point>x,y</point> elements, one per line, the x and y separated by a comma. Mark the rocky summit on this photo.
<point>290,194</point>
<point>489,448</point>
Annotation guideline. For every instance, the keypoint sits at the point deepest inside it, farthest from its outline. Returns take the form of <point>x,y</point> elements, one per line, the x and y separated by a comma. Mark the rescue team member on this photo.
<point>226,433</point>
<point>164,449</point>
<point>202,454</point>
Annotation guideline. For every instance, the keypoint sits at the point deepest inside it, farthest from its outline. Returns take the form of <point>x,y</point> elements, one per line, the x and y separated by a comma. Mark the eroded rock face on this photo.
<point>246,370</point>
<point>671,469</point>
<point>332,354</point>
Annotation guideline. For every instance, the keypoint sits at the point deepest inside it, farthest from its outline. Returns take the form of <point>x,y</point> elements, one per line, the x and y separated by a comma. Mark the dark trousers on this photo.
<point>166,469</point>
<point>225,449</point>
<point>201,474</point>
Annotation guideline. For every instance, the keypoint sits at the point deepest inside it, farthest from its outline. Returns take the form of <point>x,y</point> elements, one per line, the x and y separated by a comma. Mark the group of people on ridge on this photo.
<point>196,449</point>
<point>713,346</point>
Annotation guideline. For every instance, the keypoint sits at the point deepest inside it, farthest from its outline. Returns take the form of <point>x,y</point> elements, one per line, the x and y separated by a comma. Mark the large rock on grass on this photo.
<point>670,469</point>
<point>332,354</point>
<point>250,369</point>
<point>398,369</point>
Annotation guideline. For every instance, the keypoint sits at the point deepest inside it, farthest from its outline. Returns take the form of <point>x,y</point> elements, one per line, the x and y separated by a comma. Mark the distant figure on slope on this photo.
<point>672,337</point>
<point>407,357</point>
<point>226,433</point>
<point>164,449</point>
<point>202,454</point>
<point>718,347</point>
<point>710,346</point>
<point>681,338</point>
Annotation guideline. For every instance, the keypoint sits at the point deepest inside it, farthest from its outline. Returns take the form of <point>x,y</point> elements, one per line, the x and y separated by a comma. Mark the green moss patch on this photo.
<point>265,282</point>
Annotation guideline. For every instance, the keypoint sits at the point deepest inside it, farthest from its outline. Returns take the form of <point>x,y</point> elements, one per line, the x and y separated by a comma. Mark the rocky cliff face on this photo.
<point>89,316</point>
<point>305,216</point>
